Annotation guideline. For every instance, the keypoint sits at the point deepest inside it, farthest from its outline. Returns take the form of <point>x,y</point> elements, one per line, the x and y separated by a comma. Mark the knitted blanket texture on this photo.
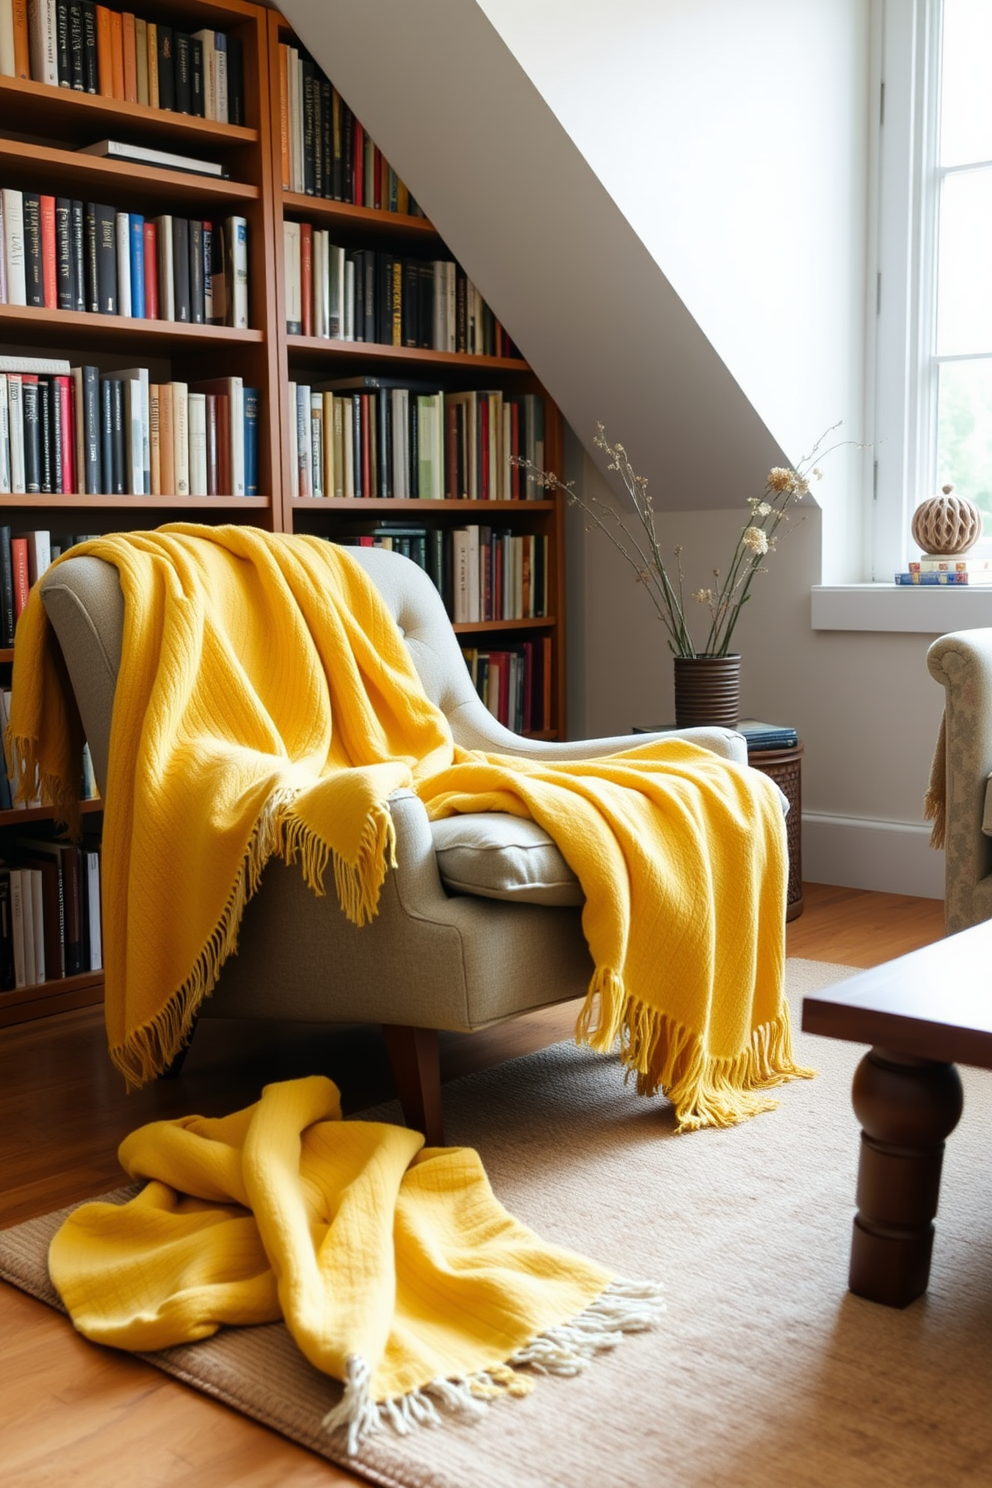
<point>396,1270</point>
<point>267,705</point>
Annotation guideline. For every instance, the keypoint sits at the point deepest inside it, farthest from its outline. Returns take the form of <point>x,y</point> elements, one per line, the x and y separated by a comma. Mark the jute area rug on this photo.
<point>764,1373</point>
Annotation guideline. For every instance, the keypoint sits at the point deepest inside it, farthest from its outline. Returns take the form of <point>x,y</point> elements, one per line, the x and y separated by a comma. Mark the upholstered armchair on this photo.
<point>479,922</point>
<point>962,663</point>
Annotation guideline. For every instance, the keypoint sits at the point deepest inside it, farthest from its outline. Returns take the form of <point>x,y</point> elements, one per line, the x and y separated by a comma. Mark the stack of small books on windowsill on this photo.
<point>758,735</point>
<point>933,570</point>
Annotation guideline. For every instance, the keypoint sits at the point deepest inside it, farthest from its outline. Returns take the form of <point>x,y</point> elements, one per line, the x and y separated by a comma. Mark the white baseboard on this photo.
<point>855,853</point>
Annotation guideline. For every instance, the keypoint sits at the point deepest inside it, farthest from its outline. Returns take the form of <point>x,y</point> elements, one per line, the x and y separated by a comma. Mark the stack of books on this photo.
<point>936,571</point>
<point>759,735</point>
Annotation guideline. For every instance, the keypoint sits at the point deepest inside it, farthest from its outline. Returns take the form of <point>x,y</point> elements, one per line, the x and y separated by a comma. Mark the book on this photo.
<point>42,41</point>
<point>49,280</point>
<point>145,155</point>
<point>197,299</point>
<point>7,616</point>
<point>8,979</point>
<point>180,269</point>
<point>166,68</point>
<point>166,281</point>
<point>251,414</point>
<point>136,266</point>
<point>41,366</point>
<point>33,283</point>
<point>101,228</point>
<point>236,270</point>
<point>767,735</point>
<point>90,859</point>
<point>65,298</point>
<point>17,927</point>
<point>943,578</point>
<point>230,443</point>
<point>950,565</point>
<point>122,238</point>
<point>180,437</point>
<point>12,204</point>
<point>197,419</point>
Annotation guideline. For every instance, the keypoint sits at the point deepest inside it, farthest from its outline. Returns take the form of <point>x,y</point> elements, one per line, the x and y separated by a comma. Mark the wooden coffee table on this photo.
<point>922,1014</point>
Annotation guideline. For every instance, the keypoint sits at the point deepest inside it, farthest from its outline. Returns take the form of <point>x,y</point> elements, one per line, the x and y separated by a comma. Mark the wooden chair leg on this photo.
<point>414,1054</point>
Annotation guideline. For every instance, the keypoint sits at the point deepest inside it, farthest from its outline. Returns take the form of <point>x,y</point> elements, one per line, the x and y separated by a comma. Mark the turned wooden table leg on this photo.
<point>906,1108</point>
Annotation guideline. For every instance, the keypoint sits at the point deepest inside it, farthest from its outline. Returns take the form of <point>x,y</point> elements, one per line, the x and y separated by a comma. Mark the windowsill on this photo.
<point>933,610</point>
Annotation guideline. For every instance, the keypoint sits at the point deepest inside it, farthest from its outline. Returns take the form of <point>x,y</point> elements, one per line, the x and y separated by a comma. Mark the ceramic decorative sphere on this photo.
<point>946,525</point>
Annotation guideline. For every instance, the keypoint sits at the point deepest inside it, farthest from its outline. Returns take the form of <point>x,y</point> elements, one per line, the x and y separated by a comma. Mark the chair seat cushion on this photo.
<point>497,856</point>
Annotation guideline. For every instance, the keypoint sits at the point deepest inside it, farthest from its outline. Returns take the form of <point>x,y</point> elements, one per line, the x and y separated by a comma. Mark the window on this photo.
<point>933,333</point>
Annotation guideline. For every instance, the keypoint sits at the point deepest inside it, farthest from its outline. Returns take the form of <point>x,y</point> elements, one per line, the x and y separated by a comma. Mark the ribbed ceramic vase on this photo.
<point>707,690</point>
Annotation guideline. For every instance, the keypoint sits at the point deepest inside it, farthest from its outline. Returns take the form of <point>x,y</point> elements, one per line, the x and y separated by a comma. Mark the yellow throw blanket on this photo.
<point>266,704</point>
<point>394,1266</point>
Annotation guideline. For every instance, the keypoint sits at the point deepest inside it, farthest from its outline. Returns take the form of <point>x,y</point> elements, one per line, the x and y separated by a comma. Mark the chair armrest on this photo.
<point>962,663</point>
<point>474,727</point>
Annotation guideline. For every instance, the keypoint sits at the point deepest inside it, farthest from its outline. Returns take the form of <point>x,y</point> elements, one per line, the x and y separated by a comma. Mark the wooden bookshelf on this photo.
<point>41,154</point>
<point>309,358</point>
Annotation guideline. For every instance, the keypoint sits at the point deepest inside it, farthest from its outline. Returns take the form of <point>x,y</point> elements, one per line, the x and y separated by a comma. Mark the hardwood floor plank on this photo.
<point>72,1412</point>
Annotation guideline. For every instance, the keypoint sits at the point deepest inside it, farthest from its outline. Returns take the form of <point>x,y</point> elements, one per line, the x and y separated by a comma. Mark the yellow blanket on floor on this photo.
<point>266,704</point>
<point>396,1270</point>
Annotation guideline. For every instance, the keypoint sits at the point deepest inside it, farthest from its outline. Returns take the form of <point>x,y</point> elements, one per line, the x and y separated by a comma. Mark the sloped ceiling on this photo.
<point>519,207</point>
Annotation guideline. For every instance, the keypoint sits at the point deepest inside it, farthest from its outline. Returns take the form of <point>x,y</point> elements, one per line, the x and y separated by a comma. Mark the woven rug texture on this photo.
<point>764,1372</point>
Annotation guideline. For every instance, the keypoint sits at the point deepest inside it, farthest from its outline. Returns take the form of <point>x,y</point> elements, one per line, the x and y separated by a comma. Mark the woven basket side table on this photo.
<point>784,766</point>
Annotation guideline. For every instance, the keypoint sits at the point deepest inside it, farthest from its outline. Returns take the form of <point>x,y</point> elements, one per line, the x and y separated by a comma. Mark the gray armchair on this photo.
<point>480,921</point>
<point>962,663</point>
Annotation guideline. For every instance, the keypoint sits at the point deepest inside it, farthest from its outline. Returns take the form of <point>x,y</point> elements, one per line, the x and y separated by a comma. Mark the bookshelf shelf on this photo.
<point>316,348</point>
<point>40,110</point>
<point>129,184</point>
<point>80,328</point>
<point>42,813</point>
<point>485,627</point>
<point>212,504</point>
<point>359,506</point>
<point>325,213</point>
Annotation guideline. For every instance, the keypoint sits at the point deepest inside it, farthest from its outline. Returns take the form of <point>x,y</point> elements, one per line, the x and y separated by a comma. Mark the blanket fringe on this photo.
<point>668,1057</point>
<point>22,753</point>
<point>357,884</point>
<point>624,1307</point>
<point>278,832</point>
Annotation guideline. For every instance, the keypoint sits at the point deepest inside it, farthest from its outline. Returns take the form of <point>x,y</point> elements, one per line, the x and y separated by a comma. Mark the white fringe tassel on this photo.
<point>625,1307</point>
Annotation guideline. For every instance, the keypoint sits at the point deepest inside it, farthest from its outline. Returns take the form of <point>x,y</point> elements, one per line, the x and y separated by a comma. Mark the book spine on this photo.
<point>15,416</point>
<point>235,81</point>
<point>151,34</point>
<point>34,286</point>
<point>180,268</point>
<point>306,279</point>
<point>196,77</point>
<point>166,68</point>
<point>119,481</point>
<point>141,59</point>
<point>180,437</point>
<point>105,241</point>
<point>49,270</point>
<point>166,440</point>
<point>106,437</point>
<point>184,81</point>
<point>78,249</point>
<point>122,241</point>
<point>154,438</point>
<point>197,415</point>
<point>151,270</point>
<point>19,566</point>
<point>104,53</point>
<point>130,49</point>
<point>43,41</point>
<point>117,54</point>
<point>236,236</point>
<point>45,435</point>
<point>65,291</point>
<point>91,64</point>
<point>251,406</point>
<point>91,430</point>
<point>7,616</point>
<point>62,63</point>
<point>197,310</point>
<point>166,279</point>
<point>13,245</point>
<point>136,254</point>
<point>32,444</point>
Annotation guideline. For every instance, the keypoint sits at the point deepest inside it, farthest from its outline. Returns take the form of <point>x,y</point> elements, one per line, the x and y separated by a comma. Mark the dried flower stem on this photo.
<point>643,551</point>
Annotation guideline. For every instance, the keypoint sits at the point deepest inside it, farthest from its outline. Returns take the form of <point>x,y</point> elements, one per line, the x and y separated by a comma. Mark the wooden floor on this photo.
<point>71,1411</point>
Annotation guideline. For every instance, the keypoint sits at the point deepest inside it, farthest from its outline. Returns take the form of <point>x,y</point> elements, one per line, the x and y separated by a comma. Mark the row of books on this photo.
<point>482,573</point>
<point>515,683</point>
<point>83,432</point>
<point>63,254</point>
<point>49,912</point>
<point>24,556</point>
<point>90,48</point>
<point>368,437</point>
<point>324,150</point>
<point>945,577</point>
<point>364,294</point>
<point>9,772</point>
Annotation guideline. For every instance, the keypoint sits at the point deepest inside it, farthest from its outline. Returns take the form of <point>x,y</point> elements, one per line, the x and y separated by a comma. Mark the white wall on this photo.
<point>732,136</point>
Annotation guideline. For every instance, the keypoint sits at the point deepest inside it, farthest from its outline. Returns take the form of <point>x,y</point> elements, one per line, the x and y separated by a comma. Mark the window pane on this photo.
<point>964,433</point>
<point>964,264</point>
<point>966,97</point>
